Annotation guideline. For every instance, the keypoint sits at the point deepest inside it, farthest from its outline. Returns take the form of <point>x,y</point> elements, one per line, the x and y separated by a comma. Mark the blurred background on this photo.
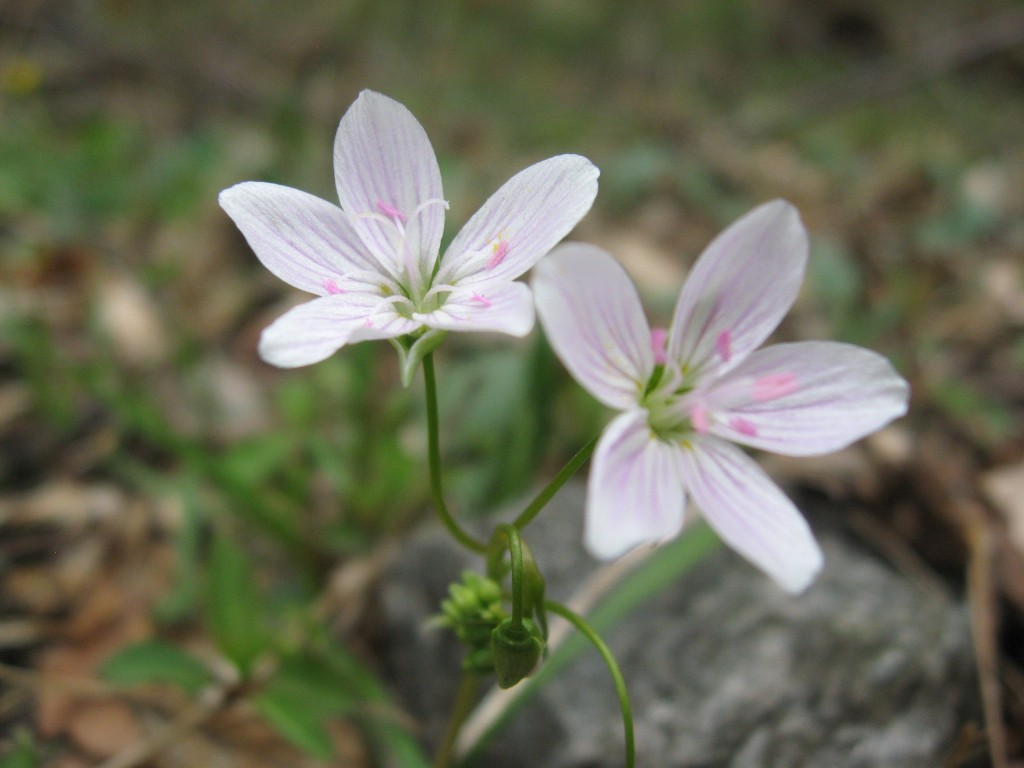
<point>160,485</point>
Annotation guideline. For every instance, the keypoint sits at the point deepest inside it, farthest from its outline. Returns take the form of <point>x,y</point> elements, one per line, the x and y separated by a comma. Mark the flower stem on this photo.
<point>434,453</point>
<point>613,668</point>
<point>460,710</point>
<point>542,498</point>
<point>515,554</point>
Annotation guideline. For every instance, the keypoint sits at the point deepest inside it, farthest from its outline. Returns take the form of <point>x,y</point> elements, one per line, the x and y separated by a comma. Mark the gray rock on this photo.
<point>724,669</point>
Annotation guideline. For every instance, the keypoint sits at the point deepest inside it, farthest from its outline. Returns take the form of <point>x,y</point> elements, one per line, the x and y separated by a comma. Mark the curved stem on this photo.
<point>542,498</point>
<point>460,710</point>
<point>434,454</point>
<point>613,668</point>
<point>515,553</point>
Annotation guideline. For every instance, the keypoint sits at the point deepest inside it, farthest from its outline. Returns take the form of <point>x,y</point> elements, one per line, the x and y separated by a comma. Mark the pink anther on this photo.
<point>723,345</point>
<point>699,419</point>
<point>367,323</point>
<point>659,338</point>
<point>498,252</point>
<point>480,301</point>
<point>331,287</point>
<point>774,386</point>
<point>743,426</point>
<point>389,210</point>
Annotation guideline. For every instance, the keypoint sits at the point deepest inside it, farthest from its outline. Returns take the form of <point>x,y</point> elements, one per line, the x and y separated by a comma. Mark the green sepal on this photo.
<point>515,651</point>
<point>411,351</point>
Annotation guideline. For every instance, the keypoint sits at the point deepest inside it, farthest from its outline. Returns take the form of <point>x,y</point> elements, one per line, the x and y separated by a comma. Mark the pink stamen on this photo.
<point>499,251</point>
<point>699,419</point>
<point>723,345</point>
<point>480,301</point>
<point>774,386</point>
<point>389,210</point>
<point>331,287</point>
<point>659,338</point>
<point>743,426</point>
<point>367,323</point>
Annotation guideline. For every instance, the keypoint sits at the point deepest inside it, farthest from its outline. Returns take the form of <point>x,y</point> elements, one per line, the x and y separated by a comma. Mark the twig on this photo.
<point>984,625</point>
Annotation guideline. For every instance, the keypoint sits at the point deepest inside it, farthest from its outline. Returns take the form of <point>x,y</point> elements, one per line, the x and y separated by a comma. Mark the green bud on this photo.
<point>473,609</point>
<point>515,651</point>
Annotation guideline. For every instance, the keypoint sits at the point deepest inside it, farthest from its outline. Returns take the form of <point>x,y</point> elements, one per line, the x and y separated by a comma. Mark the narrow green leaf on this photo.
<point>234,605</point>
<point>295,720</point>
<point>155,661</point>
<point>316,681</point>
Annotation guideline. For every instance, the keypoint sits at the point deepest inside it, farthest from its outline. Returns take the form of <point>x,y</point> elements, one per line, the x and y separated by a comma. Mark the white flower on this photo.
<point>688,394</point>
<point>374,262</point>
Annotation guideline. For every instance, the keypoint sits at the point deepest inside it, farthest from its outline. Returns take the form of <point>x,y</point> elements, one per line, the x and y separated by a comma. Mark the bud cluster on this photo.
<point>473,610</point>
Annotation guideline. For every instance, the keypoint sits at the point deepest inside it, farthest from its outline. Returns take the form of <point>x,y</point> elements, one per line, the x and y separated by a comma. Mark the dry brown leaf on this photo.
<point>62,502</point>
<point>104,728</point>
<point>57,702</point>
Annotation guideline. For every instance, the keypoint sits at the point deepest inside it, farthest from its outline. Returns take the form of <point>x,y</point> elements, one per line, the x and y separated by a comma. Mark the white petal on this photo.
<point>749,512</point>
<point>807,398</point>
<point>634,494</point>
<point>593,318</point>
<point>383,161</point>
<point>521,222</point>
<point>740,289</point>
<point>305,241</point>
<point>313,331</point>
<point>504,308</point>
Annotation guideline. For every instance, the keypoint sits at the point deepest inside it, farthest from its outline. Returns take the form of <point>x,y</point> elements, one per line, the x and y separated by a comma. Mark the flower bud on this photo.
<point>515,651</point>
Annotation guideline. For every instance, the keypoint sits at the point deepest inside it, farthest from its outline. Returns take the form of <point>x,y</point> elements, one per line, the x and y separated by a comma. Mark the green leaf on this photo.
<point>23,755</point>
<point>296,721</point>
<point>315,681</point>
<point>155,661</point>
<point>233,605</point>
<point>393,745</point>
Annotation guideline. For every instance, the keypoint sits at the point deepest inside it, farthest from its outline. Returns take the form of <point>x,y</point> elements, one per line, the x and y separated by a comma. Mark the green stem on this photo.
<point>460,711</point>
<point>620,684</point>
<point>434,453</point>
<point>542,498</point>
<point>515,553</point>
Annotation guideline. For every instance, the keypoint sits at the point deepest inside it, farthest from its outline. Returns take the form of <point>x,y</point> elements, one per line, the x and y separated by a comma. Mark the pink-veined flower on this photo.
<point>689,393</point>
<point>374,262</point>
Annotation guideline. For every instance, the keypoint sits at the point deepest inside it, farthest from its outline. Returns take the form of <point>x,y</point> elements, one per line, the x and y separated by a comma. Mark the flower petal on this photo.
<point>389,181</point>
<point>739,289</point>
<point>505,308</point>
<point>749,512</point>
<point>806,398</point>
<point>313,331</point>
<point>305,241</point>
<point>521,222</point>
<point>634,493</point>
<point>593,318</point>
